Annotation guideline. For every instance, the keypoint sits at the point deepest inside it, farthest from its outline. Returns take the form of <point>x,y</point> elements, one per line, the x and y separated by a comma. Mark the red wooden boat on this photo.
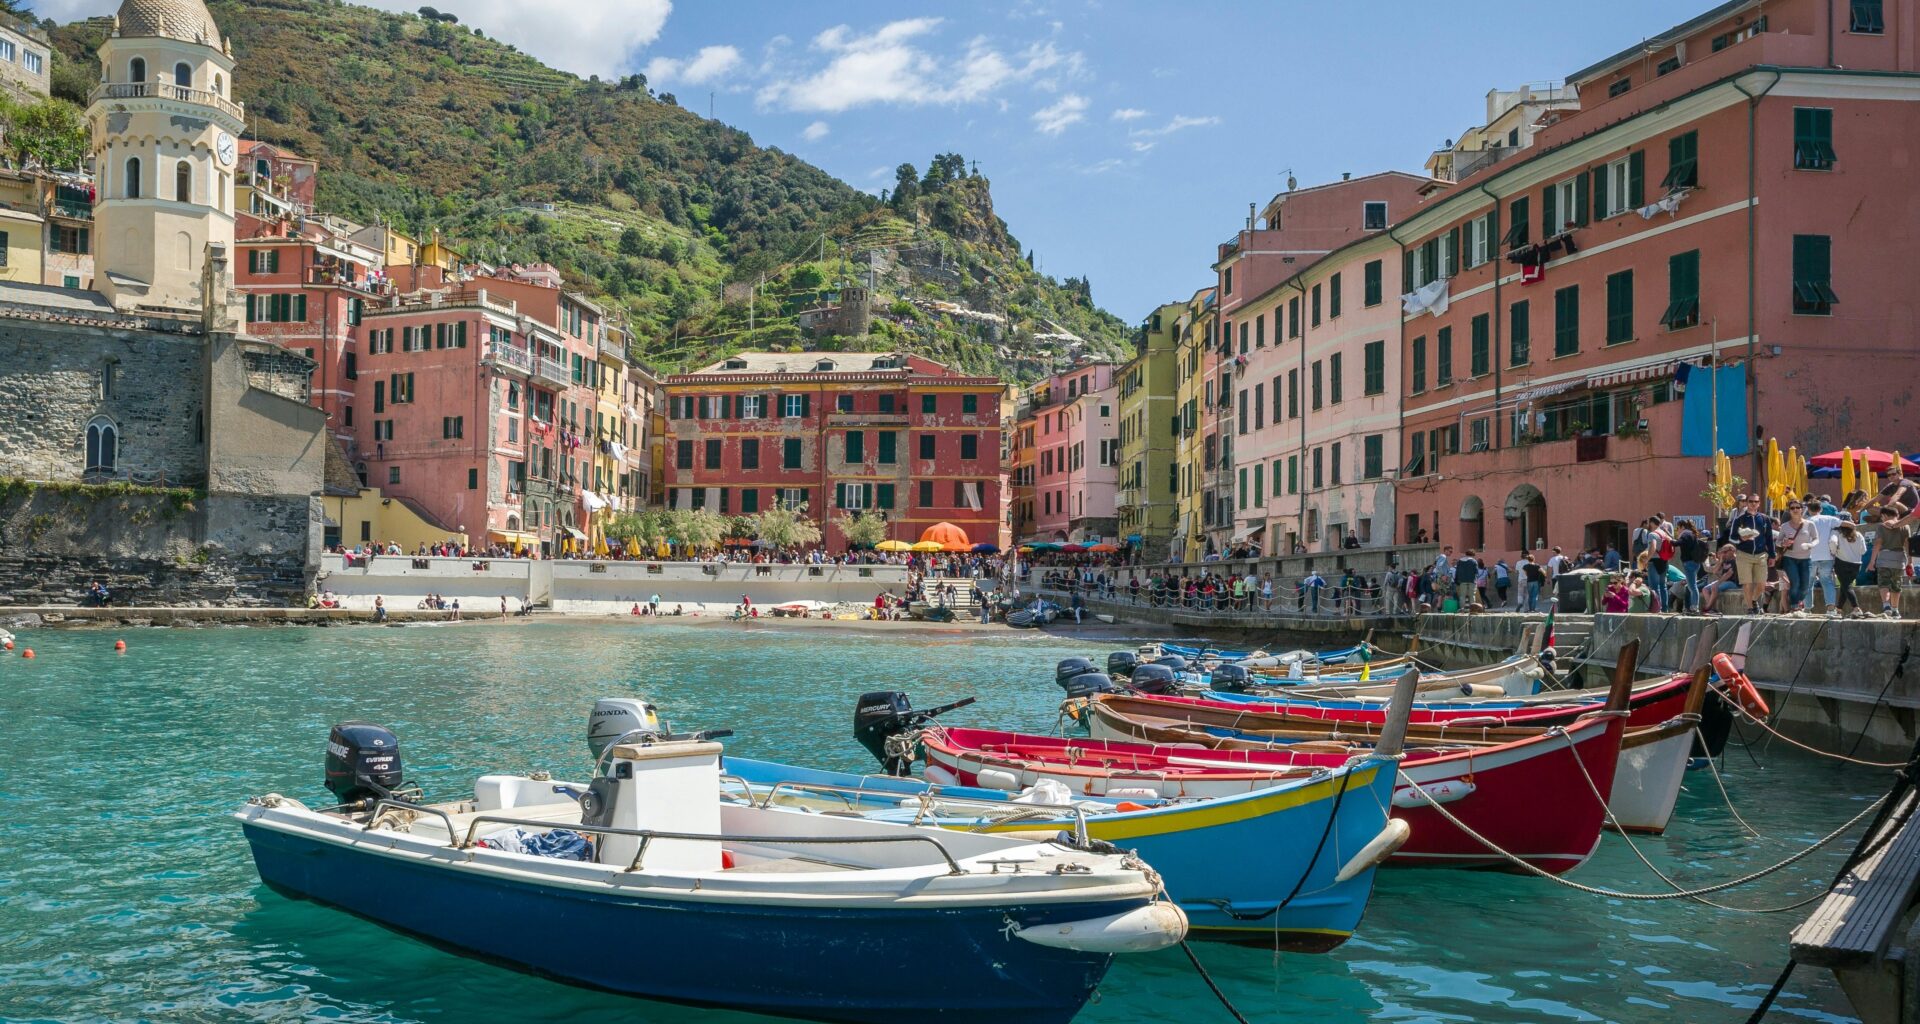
<point>1533,795</point>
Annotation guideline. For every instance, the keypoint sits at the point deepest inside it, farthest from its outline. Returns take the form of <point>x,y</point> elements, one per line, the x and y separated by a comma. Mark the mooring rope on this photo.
<point>1648,897</point>
<point>1743,713</point>
<point>1715,769</point>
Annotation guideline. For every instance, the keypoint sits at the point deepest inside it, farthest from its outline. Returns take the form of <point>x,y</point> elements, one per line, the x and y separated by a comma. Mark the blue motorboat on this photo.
<point>1289,867</point>
<point>645,881</point>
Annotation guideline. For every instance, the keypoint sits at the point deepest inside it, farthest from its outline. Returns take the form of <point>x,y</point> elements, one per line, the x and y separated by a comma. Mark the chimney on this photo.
<point>1346,175</point>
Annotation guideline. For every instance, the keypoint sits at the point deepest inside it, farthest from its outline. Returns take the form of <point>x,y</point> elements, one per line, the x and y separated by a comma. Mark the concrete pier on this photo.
<point>1832,683</point>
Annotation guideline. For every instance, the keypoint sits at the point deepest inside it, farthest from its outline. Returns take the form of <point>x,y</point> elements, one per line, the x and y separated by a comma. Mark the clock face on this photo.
<point>225,149</point>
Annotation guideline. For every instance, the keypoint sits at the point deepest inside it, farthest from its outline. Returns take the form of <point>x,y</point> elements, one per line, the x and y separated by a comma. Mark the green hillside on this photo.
<point>675,219</point>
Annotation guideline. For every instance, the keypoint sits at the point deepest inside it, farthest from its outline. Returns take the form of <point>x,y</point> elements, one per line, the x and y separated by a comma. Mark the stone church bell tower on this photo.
<point>164,139</point>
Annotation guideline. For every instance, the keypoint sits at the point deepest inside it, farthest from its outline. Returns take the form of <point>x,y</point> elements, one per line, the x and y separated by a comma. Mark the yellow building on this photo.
<point>1147,501</point>
<point>611,431</point>
<point>368,517</point>
<point>1192,329</point>
<point>21,228</point>
<point>400,250</point>
<point>439,254</point>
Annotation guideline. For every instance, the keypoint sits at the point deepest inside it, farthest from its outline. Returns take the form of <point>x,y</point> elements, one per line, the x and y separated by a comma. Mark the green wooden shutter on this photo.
<point>1453,252</point>
<point>1406,272</point>
<point>1430,260</point>
<point>866,495</point>
<point>1637,178</point>
<point>806,406</point>
<point>1600,209</point>
<point>1580,200</point>
<point>1547,211</point>
<point>251,315</point>
<point>839,495</point>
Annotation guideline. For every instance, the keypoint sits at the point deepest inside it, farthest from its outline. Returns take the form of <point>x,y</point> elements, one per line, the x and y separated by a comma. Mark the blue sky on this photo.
<point>1124,140</point>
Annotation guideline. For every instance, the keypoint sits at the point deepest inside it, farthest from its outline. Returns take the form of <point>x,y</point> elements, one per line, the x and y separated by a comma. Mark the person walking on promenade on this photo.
<point>1847,548</point>
<point>1751,533</point>
<point>1890,556</point>
<point>1533,577</point>
<point>1079,606</point>
<point>1797,538</point>
<point>1310,589</point>
<point>1502,581</point>
<point>1821,562</point>
<point>1693,556</point>
<point>1466,577</point>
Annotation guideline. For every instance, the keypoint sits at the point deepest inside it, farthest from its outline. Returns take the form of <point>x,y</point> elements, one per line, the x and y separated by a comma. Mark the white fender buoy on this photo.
<point>1141,930</point>
<point>994,778</point>
<point>939,775</point>
<point>1378,850</point>
<point>1437,793</point>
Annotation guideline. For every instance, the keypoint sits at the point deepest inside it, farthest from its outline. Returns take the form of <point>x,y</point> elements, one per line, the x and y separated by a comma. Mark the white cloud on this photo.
<point>1144,139</point>
<point>1052,120</point>
<point>894,64</point>
<point>708,65</point>
<point>594,37</point>
<point>816,131</point>
<point>1128,114</point>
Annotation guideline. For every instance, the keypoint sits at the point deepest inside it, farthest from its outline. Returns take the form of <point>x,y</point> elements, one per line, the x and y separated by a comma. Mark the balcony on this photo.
<point>867,419</point>
<point>1467,164</point>
<point>71,210</point>
<point>614,347</point>
<point>167,91</point>
<point>552,371</point>
<point>506,357</point>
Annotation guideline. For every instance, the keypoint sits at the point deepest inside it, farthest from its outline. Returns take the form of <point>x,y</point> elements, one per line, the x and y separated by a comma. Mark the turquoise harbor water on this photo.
<point>126,893</point>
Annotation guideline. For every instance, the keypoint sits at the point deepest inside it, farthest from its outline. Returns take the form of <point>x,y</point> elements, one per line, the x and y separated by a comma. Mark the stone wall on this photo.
<point>151,547</point>
<point>53,382</point>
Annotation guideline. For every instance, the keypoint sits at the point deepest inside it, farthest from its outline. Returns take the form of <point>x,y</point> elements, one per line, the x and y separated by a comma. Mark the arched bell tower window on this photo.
<point>183,75</point>
<point>183,182</point>
<point>219,87</point>
<point>133,177</point>
<point>137,70</point>
<point>103,445</point>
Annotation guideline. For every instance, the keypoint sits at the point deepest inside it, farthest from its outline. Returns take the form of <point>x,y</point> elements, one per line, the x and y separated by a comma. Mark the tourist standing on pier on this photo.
<point>1466,578</point>
<point>1751,534</point>
<point>1847,548</point>
<point>1502,580</point>
<point>1890,555</point>
<point>1693,556</point>
<point>1797,538</point>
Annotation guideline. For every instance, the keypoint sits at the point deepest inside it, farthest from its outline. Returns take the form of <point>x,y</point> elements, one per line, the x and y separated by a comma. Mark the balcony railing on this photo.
<point>72,210</point>
<point>613,347</point>
<point>1466,164</point>
<point>552,370</point>
<point>166,91</point>
<point>509,358</point>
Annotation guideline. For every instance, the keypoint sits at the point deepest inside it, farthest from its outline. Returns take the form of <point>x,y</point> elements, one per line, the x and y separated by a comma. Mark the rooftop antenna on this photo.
<point>1292,182</point>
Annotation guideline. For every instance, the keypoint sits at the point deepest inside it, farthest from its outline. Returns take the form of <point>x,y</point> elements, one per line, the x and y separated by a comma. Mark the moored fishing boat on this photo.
<point>644,881</point>
<point>1523,794</point>
<point>1318,836</point>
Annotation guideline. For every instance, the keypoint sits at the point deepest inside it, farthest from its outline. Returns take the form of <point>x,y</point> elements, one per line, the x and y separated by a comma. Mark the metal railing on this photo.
<point>552,370</point>
<point>166,91</point>
<point>506,355</point>
<point>72,210</point>
<point>647,835</point>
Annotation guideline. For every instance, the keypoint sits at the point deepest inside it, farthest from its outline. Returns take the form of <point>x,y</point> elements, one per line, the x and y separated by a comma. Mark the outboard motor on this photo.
<point>1174,662</point>
<point>1120,664</point>
<point>1155,679</point>
<point>883,714</point>
<point>1086,684</point>
<point>363,761</point>
<point>1070,667</point>
<point>617,717</point>
<point>1231,678</point>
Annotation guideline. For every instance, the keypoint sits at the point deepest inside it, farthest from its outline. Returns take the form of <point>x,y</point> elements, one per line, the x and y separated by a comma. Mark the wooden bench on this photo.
<point>1853,931</point>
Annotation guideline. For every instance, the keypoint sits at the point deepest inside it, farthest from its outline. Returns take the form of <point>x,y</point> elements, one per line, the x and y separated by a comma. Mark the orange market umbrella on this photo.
<point>948,536</point>
<point>1104,549</point>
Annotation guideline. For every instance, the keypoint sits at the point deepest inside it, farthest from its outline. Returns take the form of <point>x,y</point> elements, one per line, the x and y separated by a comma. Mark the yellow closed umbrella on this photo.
<point>1796,473</point>
<point>1846,472</point>
<point>1869,481</point>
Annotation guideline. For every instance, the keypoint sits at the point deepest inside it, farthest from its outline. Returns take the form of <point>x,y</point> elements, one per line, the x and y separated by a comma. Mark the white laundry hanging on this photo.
<point>1429,298</point>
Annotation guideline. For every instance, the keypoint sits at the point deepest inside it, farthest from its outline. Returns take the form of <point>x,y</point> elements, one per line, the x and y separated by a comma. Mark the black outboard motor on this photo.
<point>883,714</point>
<point>1070,667</point>
<point>1154,679</point>
<point>1120,664</point>
<point>1086,684</point>
<point>1173,662</point>
<point>1231,678</point>
<point>363,761</point>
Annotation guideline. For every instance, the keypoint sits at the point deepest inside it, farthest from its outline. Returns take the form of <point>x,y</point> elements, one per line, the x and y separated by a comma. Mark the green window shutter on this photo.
<point>1419,365</point>
<point>1517,231</point>
<point>1373,283</point>
<point>1580,200</point>
<point>1453,252</point>
<point>1600,210</point>
<point>806,406</point>
<point>1430,260</point>
<point>839,495</point>
<point>1519,334</point>
<point>1620,307</point>
<point>884,496</point>
<point>300,309</point>
<point>1480,355</point>
<point>1566,321</point>
<point>856,446</point>
<point>1443,356</point>
<point>1547,212</point>
<point>1333,295</point>
<point>1683,291</point>
<point>866,495</point>
<point>1637,178</point>
<point>1406,272</point>
<point>251,314</point>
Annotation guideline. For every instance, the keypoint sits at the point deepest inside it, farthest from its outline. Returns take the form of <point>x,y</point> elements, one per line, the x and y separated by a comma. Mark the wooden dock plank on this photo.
<point>1854,925</point>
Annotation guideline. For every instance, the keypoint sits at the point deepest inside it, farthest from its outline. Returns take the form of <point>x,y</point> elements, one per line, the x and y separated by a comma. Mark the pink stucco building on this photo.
<point>1075,431</point>
<point>1309,402</point>
<point>1732,192</point>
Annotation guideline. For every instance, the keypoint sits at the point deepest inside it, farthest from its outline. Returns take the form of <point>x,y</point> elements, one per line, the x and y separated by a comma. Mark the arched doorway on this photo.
<point>1602,532</point>
<point>1473,523</point>
<point>1526,513</point>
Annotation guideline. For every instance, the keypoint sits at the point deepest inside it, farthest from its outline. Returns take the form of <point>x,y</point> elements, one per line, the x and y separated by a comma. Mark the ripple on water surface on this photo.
<point>126,894</point>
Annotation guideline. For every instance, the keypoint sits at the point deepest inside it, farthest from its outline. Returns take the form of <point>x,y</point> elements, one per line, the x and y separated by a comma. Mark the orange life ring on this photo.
<point>1740,687</point>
